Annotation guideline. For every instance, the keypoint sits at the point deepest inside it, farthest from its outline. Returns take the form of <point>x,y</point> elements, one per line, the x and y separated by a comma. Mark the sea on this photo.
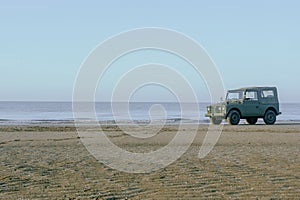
<point>19,113</point>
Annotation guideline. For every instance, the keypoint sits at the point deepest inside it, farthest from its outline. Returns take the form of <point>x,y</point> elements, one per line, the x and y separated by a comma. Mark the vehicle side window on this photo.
<point>267,94</point>
<point>251,95</point>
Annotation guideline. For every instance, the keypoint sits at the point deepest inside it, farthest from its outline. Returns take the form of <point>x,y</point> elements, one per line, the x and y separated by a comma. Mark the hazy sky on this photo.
<point>43,43</point>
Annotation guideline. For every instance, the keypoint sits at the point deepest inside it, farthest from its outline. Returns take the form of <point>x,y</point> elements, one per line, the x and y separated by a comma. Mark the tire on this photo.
<point>252,120</point>
<point>234,117</point>
<point>215,120</point>
<point>270,117</point>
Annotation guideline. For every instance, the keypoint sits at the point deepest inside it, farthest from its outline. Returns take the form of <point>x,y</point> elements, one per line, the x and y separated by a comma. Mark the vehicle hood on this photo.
<point>217,104</point>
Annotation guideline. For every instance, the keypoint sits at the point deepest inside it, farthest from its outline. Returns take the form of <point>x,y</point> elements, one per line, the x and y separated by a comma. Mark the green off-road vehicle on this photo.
<point>246,103</point>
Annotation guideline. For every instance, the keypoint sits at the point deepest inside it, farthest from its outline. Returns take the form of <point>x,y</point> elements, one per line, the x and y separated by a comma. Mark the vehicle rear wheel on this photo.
<point>270,117</point>
<point>234,117</point>
<point>252,120</point>
<point>216,120</point>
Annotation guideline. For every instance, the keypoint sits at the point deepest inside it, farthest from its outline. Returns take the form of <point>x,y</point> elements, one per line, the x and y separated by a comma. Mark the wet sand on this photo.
<point>50,162</point>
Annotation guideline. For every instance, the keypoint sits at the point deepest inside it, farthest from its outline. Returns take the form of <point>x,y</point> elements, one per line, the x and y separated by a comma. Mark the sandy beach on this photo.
<point>50,162</point>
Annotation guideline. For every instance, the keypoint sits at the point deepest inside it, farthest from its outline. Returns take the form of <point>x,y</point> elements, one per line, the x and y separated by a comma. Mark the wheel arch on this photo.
<point>236,109</point>
<point>271,108</point>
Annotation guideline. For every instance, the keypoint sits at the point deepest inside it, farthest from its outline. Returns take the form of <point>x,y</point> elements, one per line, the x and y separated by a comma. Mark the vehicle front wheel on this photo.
<point>252,120</point>
<point>270,117</point>
<point>216,120</point>
<point>234,117</point>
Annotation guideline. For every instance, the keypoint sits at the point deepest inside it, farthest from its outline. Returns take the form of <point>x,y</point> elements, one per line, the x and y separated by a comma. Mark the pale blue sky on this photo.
<point>44,43</point>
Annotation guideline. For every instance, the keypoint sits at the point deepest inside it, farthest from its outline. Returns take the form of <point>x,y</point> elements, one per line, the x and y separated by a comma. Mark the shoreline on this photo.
<point>8,122</point>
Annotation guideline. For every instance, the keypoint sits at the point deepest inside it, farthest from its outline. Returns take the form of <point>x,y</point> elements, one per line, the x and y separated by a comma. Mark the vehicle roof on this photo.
<point>252,88</point>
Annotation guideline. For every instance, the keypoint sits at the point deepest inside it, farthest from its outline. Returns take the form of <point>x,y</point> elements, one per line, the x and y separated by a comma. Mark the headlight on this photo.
<point>208,109</point>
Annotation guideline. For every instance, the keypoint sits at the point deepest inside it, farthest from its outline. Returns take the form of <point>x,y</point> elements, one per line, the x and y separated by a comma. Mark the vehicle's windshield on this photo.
<point>234,95</point>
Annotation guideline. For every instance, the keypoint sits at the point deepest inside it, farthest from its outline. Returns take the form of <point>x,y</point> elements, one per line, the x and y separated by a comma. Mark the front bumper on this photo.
<point>219,115</point>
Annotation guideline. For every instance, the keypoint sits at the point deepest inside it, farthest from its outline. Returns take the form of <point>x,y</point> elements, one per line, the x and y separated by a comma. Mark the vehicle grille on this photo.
<point>218,109</point>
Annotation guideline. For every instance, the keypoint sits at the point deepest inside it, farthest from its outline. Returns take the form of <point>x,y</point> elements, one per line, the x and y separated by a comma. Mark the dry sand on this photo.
<point>258,161</point>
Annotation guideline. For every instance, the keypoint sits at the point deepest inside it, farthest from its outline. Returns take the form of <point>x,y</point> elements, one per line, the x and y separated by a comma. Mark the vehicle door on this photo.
<point>251,104</point>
